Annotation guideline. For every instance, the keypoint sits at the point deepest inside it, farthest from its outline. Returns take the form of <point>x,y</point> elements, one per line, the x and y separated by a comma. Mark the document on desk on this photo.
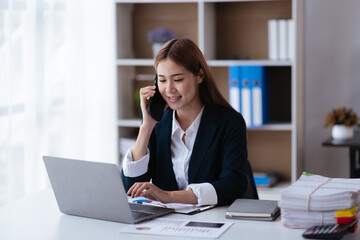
<point>178,227</point>
<point>179,207</point>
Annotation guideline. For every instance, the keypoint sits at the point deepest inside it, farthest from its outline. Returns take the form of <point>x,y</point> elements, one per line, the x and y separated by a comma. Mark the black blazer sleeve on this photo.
<point>232,182</point>
<point>220,154</point>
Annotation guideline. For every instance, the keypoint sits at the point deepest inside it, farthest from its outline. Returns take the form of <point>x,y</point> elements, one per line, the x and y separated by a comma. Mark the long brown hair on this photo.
<point>186,53</point>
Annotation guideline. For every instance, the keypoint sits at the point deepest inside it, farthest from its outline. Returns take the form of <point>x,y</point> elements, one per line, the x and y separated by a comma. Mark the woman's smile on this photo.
<point>174,99</point>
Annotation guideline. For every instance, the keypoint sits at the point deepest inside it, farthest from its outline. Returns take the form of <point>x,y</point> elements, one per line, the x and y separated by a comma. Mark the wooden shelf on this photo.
<point>267,127</point>
<point>265,62</point>
<point>273,127</point>
<point>212,63</point>
<point>188,1</point>
<point>158,1</point>
<point>135,62</point>
<point>129,123</point>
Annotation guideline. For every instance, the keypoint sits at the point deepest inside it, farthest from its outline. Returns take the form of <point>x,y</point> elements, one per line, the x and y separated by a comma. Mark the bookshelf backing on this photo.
<point>270,152</point>
<point>242,27</point>
<point>181,18</point>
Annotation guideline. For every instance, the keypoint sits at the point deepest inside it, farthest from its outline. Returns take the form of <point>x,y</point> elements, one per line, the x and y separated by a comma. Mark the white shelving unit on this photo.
<point>220,28</point>
<point>267,127</point>
<point>211,63</point>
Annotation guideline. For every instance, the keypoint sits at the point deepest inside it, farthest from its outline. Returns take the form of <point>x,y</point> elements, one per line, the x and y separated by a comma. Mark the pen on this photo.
<point>147,202</point>
<point>154,204</point>
<point>204,208</point>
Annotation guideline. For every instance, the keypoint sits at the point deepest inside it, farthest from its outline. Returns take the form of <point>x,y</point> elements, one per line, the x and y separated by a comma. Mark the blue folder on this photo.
<point>259,94</point>
<point>245,93</point>
<point>234,87</point>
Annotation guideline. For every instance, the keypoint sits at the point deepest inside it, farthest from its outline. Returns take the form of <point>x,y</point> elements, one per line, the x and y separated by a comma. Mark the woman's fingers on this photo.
<point>137,188</point>
<point>142,188</point>
<point>145,189</point>
<point>147,92</point>
<point>149,193</point>
<point>133,189</point>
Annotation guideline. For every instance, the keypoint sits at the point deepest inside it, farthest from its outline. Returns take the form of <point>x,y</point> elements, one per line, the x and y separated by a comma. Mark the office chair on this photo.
<point>251,191</point>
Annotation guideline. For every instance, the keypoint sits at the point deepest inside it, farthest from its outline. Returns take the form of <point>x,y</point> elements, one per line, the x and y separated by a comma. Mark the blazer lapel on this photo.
<point>204,138</point>
<point>164,149</point>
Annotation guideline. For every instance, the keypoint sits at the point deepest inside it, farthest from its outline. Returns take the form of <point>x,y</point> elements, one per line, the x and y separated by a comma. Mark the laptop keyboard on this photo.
<point>140,211</point>
<point>138,214</point>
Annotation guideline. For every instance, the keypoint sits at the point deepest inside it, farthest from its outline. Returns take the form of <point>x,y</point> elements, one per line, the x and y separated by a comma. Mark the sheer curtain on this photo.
<point>57,88</point>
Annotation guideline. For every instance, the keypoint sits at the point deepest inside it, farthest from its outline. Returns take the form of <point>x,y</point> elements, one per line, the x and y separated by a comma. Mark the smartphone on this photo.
<point>156,104</point>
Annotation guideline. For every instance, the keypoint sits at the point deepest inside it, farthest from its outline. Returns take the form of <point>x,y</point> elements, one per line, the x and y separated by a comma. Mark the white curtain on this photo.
<point>57,88</point>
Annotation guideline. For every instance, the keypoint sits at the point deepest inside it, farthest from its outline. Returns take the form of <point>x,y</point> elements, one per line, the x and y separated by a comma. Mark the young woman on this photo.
<point>197,153</point>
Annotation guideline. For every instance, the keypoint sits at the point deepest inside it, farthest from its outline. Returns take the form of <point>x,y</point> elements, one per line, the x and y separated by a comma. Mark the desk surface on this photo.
<point>38,217</point>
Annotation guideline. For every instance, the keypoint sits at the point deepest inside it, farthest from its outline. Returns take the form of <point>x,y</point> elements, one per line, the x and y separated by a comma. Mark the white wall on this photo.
<point>332,78</point>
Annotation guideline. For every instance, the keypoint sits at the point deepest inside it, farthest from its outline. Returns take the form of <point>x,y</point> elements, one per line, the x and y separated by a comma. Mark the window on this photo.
<point>48,91</point>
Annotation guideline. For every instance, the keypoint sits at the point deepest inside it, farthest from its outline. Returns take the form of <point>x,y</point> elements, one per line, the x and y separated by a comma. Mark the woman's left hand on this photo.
<point>150,191</point>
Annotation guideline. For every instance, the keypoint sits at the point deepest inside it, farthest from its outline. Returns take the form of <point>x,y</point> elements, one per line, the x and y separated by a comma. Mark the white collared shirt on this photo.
<point>182,143</point>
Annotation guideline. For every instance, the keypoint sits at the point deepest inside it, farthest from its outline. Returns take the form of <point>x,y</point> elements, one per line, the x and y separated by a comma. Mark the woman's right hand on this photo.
<point>145,94</point>
<point>148,123</point>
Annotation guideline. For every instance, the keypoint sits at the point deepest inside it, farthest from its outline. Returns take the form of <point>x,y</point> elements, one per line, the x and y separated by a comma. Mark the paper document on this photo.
<point>177,227</point>
<point>179,207</point>
<point>318,193</point>
<point>305,219</point>
<point>314,200</point>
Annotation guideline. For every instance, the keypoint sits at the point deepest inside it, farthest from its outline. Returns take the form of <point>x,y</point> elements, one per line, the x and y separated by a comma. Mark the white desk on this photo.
<point>37,217</point>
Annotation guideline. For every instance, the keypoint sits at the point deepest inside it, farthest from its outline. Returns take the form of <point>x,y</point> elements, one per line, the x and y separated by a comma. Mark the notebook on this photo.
<point>253,209</point>
<point>95,190</point>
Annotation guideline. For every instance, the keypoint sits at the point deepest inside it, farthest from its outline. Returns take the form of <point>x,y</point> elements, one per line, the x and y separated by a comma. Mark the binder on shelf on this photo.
<point>273,39</point>
<point>283,36</point>
<point>260,109</point>
<point>291,39</point>
<point>245,95</point>
<point>248,93</point>
<point>234,87</point>
<point>265,179</point>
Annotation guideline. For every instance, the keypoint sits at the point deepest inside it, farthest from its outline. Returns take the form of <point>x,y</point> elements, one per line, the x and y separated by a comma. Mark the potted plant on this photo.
<point>158,37</point>
<point>342,121</point>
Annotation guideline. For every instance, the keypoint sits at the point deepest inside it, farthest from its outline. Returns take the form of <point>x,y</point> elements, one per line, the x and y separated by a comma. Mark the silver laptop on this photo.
<point>95,190</point>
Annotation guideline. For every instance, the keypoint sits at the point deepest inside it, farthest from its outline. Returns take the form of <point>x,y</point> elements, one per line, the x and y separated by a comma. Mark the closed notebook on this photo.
<point>253,209</point>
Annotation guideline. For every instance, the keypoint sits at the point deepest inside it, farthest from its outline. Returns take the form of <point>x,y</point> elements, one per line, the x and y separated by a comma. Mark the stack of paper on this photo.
<point>314,199</point>
<point>305,219</point>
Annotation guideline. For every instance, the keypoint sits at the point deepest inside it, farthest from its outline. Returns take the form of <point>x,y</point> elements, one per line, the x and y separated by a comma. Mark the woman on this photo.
<point>197,153</point>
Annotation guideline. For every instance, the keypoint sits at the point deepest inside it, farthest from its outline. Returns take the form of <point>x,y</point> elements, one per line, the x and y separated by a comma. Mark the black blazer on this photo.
<point>219,155</point>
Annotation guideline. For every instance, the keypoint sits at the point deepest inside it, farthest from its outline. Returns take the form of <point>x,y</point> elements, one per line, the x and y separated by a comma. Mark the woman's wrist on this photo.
<point>182,196</point>
<point>147,127</point>
<point>142,141</point>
